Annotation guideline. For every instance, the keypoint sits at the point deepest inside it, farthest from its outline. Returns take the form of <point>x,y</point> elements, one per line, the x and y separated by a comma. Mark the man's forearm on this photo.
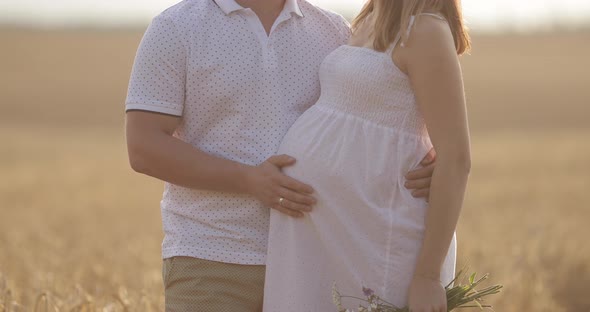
<point>170,159</point>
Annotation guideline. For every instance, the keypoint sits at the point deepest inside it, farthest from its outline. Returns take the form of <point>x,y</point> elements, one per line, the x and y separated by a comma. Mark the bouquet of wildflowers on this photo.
<point>458,296</point>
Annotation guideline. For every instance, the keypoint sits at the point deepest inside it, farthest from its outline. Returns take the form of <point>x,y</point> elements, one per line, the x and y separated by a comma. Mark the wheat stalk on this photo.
<point>7,300</point>
<point>42,297</point>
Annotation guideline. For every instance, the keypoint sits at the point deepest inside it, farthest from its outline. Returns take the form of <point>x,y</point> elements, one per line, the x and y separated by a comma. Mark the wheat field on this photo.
<point>79,231</point>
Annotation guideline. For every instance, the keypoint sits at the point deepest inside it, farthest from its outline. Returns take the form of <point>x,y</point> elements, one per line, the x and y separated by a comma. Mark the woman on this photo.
<point>394,89</point>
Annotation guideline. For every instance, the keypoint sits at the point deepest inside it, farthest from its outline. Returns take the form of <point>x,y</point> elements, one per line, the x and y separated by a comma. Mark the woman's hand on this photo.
<point>276,190</point>
<point>427,295</point>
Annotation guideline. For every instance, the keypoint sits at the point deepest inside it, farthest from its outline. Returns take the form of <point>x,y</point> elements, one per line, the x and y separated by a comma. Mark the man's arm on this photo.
<point>154,151</point>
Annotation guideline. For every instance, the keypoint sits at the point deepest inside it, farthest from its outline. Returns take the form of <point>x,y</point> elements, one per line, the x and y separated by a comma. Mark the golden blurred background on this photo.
<point>79,231</point>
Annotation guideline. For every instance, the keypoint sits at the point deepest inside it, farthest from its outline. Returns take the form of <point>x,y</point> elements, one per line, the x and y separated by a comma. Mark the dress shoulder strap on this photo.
<point>399,36</point>
<point>394,43</point>
<point>410,25</point>
<point>434,15</point>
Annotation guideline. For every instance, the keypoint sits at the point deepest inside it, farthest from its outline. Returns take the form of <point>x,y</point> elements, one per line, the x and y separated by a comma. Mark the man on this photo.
<point>215,86</point>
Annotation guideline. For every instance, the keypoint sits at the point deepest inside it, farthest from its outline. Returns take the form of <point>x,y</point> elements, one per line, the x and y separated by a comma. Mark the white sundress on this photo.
<point>354,147</point>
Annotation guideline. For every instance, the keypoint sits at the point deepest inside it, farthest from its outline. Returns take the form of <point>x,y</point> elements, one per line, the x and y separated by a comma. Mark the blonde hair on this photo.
<point>393,17</point>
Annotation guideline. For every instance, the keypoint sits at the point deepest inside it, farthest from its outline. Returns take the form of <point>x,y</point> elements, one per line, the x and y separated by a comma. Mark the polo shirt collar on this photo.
<point>292,6</point>
<point>230,6</point>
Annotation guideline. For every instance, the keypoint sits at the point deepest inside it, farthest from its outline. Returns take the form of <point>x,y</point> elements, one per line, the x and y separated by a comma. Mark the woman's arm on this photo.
<point>431,61</point>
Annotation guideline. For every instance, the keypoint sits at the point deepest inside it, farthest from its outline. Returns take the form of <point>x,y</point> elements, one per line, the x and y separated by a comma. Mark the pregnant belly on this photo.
<point>343,144</point>
<point>356,170</point>
<point>337,153</point>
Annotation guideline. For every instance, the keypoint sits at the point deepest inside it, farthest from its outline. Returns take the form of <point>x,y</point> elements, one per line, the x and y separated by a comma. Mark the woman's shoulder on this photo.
<point>430,30</point>
<point>430,43</point>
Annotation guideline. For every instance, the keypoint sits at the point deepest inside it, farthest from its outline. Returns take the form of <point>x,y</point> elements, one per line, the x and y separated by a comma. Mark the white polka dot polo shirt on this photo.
<point>238,91</point>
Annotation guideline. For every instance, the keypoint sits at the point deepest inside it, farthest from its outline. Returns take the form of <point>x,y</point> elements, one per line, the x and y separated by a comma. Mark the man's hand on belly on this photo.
<point>276,190</point>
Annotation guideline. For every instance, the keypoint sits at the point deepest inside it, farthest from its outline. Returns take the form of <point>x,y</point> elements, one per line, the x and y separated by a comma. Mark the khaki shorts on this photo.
<point>198,285</point>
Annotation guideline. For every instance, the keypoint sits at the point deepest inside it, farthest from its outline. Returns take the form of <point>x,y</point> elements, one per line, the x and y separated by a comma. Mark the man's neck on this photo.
<point>263,7</point>
<point>266,10</point>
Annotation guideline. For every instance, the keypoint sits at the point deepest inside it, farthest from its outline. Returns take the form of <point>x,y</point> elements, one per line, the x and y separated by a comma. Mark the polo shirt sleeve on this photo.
<point>343,27</point>
<point>158,76</point>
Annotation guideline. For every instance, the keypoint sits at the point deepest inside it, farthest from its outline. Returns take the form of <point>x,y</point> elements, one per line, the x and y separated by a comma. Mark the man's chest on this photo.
<point>236,55</point>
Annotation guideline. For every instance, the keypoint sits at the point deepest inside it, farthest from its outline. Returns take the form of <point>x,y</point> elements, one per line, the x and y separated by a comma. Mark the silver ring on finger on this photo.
<point>281,200</point>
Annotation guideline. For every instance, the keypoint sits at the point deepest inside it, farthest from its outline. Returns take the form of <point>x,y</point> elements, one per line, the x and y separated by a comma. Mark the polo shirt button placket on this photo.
<point>271,53</point>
